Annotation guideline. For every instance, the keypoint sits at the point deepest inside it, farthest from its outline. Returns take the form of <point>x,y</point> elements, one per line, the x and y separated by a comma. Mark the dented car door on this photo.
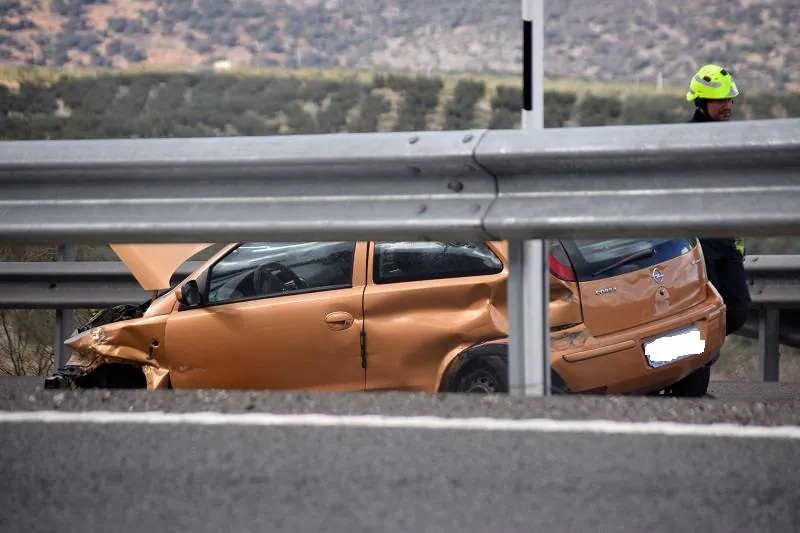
<point>273,316</point>
<point>425,301</point>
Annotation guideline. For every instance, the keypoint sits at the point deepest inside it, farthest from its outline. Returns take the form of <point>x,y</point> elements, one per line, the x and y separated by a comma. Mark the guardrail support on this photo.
<point>528,321</point>
<point>768,347</point>
<point>528,286</point>
<point>65,318</point>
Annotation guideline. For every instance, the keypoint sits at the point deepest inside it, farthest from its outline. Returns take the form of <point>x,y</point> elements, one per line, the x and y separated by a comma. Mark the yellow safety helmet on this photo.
<point>712,82</point>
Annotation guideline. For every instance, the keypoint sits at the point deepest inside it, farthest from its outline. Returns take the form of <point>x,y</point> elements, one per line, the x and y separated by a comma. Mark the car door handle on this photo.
<point>339,320</point>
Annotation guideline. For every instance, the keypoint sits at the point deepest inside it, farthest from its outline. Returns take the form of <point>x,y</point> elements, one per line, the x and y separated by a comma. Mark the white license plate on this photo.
<point>674,346</point>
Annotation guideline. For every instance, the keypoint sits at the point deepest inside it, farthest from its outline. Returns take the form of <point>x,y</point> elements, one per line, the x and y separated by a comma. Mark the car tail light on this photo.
<point>560,265</point>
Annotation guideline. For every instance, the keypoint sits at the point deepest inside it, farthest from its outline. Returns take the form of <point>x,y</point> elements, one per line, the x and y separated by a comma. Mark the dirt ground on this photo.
<point>739,362</point>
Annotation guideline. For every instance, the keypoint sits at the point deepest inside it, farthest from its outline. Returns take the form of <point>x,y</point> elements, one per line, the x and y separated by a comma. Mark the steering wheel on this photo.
<point>273,278</point>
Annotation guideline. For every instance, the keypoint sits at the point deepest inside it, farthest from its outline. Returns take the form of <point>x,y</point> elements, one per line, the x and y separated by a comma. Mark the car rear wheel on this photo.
<point>484,375</point>
<point>488,374</point>
<point>695,385</point>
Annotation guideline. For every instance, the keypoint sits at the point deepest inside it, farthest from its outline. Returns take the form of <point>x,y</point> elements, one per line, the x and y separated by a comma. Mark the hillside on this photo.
<point>585,39</point>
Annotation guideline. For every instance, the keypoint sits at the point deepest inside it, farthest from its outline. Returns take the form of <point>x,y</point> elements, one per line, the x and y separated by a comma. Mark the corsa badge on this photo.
<point>605,290</point>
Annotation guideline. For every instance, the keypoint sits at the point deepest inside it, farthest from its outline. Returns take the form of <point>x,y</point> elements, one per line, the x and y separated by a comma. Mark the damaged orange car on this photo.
<point>627,316</point>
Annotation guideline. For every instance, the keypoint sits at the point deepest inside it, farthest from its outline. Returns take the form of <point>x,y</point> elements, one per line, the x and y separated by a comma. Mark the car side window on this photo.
<point>265,269</point>
<point>413,261</point>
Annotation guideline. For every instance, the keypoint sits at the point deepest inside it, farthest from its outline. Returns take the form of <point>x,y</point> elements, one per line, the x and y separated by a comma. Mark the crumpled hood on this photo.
<point>139,341</point>
<point>154,264</point>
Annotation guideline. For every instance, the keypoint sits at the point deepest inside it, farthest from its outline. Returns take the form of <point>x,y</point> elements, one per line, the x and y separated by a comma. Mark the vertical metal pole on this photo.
<point>768,347</point>
<point>532,64</point>
<point>529,294</point>
<point>529,353</point>
<point>65,321</point>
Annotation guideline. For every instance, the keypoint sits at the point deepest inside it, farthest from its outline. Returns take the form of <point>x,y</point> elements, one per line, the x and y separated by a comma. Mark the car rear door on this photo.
<point>275,316</point>
<point>425,299</point>
<point>624,283</point>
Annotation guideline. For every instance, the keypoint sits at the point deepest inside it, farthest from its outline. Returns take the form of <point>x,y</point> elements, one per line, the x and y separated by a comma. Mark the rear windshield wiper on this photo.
<point>649,252</point>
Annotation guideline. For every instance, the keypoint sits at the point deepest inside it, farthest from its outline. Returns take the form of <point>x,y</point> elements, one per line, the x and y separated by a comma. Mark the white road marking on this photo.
<point>542,425</point>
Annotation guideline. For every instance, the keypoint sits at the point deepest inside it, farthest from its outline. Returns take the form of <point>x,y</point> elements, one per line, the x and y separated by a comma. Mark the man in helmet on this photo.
<point>712,90</point>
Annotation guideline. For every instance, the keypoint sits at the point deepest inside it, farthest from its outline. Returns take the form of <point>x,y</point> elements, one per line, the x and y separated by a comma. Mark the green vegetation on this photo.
<point>39,104</point>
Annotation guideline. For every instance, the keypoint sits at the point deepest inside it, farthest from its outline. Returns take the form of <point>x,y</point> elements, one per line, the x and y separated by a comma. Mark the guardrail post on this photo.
<point>65,318</point>
<point>528,324</point>
<point>528,282</point>
<point>768,347</point>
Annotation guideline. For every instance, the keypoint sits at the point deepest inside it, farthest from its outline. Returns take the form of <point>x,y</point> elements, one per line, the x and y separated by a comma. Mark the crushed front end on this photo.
<point>118,347</point>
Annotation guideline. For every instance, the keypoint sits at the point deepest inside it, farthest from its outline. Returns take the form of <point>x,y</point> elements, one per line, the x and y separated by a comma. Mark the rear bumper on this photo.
<point>619,365</point>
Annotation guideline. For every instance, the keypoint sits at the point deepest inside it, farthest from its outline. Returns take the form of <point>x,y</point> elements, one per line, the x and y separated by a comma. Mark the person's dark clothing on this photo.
<point>699,116</point>
<point>725,268</point>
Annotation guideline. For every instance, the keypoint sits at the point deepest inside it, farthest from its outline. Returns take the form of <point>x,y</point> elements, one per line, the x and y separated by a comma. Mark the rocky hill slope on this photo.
<point>638,41</point>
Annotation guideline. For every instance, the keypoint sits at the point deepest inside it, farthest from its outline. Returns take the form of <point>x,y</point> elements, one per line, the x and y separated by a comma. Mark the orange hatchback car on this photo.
<point>627,316</point>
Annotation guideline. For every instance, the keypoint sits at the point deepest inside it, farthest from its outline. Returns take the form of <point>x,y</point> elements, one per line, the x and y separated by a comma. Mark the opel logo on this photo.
<point>658,276</point>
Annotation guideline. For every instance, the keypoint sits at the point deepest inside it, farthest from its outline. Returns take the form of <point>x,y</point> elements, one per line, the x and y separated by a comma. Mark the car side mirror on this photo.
<point>189,294</point>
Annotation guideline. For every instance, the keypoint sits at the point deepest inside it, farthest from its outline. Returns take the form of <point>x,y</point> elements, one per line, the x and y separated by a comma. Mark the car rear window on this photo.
<point>415,261</point>
<point>595,259</point>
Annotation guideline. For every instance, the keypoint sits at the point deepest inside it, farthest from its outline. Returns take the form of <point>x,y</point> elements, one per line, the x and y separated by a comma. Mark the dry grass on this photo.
<point>739,362</point>
<point>48,75</point>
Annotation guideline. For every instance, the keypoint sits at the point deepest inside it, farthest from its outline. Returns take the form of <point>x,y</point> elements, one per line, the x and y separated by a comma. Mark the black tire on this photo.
<point>488,374</point>
<point>695,385</point>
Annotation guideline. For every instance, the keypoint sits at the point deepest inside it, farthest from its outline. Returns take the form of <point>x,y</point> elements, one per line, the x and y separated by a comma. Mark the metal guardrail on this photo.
<point>73,285</point>
<point>775,310</point>
<point>774,287</point>
<point>651,180</point>
<point>774,280</point>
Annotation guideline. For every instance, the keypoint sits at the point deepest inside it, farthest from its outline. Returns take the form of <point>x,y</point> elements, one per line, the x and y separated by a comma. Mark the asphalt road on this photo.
<point>130,478</point>
<point>722,390</point>
<point>125,477</point>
